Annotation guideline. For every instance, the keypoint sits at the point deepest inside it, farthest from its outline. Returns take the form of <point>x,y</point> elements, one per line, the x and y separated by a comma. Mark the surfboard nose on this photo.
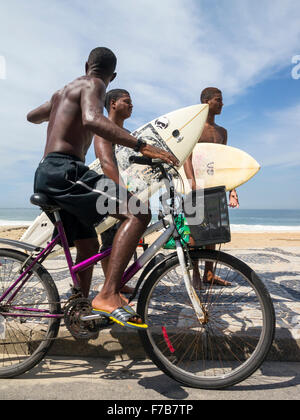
<point>257,165</point>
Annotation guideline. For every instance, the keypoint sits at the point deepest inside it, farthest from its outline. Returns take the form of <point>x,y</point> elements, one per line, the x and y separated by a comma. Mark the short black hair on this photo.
<point>208,93</point>
<point>103,60</point>
<point>114,95</point>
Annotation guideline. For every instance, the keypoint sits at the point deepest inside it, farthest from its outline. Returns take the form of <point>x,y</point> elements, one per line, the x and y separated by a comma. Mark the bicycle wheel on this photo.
<point>26,334</point>
<point>231,341</point>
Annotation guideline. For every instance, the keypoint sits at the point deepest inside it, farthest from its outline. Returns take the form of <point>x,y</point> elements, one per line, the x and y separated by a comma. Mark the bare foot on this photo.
<point>124,298</point>
<point>210,278</point>
<point>111,303</point>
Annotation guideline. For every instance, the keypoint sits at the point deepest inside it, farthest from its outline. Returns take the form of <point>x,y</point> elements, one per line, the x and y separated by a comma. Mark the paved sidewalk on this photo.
<point>135,381</point>
<point>279,268</point>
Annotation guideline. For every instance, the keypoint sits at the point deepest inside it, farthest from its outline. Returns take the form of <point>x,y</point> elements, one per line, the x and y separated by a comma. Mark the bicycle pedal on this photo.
<point>93,317</point>
<point>103,323</point>
<point>86,318</point>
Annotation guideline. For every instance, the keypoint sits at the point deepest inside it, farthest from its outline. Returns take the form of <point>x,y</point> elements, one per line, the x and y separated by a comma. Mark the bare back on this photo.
<point>66,132</point>
<point>75,115</point>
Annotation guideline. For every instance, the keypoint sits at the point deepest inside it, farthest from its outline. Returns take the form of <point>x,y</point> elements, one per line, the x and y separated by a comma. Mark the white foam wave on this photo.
<point>263,228</point>
<point>15,222</point>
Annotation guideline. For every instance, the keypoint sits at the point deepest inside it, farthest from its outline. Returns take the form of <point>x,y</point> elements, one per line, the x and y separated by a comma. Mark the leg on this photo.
<point>86,248</point>
<point>209,275</point>
<point>107,239</point>
<point>105,264</point>
<point>124,245</point>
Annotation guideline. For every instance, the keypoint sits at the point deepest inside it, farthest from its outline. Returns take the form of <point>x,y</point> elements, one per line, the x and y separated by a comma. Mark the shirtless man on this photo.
<point>119,107</point>
<point>212,133</point>
<point>75,115</point>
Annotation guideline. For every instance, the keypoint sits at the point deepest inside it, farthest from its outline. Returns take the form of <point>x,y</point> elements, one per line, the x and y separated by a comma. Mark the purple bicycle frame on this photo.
<point>74,269</point>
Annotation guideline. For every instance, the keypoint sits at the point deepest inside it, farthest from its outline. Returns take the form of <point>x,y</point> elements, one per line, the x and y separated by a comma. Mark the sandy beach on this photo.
<point>251,240</point>
<point>255,240</point>
<point>12,232</point>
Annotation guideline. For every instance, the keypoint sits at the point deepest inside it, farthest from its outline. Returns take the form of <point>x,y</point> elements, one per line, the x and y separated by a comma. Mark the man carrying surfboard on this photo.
<point>212,133</point>
<point>119,106</point>
<point>75,115</point>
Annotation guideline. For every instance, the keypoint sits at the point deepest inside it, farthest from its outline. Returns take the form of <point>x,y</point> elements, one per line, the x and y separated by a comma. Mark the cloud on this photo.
<point>278,144</point>
<point>180,46</point>
<point>167,53</point>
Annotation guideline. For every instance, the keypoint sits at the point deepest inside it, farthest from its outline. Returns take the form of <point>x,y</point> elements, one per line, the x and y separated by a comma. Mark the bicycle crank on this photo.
<point>79,328</point>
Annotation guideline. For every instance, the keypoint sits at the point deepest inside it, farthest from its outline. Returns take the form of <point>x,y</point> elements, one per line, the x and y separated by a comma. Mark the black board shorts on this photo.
<point>58,175</point>
<point>107,237</point>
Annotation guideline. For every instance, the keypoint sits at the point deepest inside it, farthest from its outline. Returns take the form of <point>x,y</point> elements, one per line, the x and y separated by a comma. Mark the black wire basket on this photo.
<point>214,226</point>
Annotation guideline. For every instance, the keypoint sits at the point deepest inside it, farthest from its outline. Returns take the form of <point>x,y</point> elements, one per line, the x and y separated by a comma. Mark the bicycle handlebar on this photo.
<point>166,175</point>
<point>141,160</point>
<point>153,163</point>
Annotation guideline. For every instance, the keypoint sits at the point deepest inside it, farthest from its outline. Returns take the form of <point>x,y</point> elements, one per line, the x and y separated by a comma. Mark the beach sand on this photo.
<point>12,232</point>
<point>251,240</point>
<point>255,240</point>
<point>264,240</point>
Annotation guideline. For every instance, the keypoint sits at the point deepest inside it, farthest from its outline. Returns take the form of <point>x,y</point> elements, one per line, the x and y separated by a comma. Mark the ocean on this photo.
<point>264,220</point>
<point>241,220</point>
<point>18,217</point>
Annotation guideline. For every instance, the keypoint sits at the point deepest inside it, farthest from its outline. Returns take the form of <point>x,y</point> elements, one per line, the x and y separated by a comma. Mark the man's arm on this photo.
<point>225,136</point>
<point>104,152</point>
<point>92,98</point>
<point>40,114</point>
<point>233,197</point>
<point>189,172</point>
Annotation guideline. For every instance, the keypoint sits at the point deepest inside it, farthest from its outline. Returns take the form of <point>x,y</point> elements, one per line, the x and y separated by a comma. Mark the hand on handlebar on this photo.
<point>153,152</point>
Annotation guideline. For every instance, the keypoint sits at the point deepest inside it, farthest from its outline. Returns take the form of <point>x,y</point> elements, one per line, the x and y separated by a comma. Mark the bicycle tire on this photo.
<point>190,352</point>
<point>24,341</point>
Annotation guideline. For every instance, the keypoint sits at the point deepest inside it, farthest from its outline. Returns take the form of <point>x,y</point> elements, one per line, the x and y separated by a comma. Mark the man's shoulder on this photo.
<point>93,82</point>
<point>220,128</point>
<point>86,82</point>
<point>223,134</point>
<point>82,85</point>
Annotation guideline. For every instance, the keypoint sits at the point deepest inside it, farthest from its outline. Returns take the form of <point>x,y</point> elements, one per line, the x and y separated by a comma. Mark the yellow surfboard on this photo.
<point>215,165</point>
<point>177,132</point>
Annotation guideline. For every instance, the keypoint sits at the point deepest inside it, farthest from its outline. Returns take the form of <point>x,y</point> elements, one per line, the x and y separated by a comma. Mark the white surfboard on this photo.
<point>215,165</point>
<point>177,132</point>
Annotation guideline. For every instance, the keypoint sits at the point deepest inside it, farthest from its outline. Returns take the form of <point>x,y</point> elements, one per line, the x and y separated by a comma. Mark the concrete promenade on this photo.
<point>279,268</point>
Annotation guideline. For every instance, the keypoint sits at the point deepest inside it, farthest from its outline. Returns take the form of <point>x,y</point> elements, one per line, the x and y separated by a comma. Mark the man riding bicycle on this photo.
<point>75,115</point>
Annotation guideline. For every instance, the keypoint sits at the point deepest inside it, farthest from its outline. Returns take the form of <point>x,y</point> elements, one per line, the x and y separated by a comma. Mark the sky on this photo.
<point>168,52</point>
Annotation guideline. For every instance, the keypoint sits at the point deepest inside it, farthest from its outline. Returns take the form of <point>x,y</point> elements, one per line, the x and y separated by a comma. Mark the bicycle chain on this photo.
<point>78,329</point>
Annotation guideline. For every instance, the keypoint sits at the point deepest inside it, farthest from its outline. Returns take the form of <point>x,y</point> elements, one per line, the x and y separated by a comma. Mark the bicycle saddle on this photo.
<point>44,202</point>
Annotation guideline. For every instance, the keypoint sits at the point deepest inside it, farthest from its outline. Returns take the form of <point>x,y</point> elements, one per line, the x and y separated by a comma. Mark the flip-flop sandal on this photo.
<point>121,316</point>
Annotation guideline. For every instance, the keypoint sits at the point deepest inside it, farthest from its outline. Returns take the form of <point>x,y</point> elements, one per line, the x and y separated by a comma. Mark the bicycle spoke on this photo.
<point>25,329</point>
<point>227,338</point>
